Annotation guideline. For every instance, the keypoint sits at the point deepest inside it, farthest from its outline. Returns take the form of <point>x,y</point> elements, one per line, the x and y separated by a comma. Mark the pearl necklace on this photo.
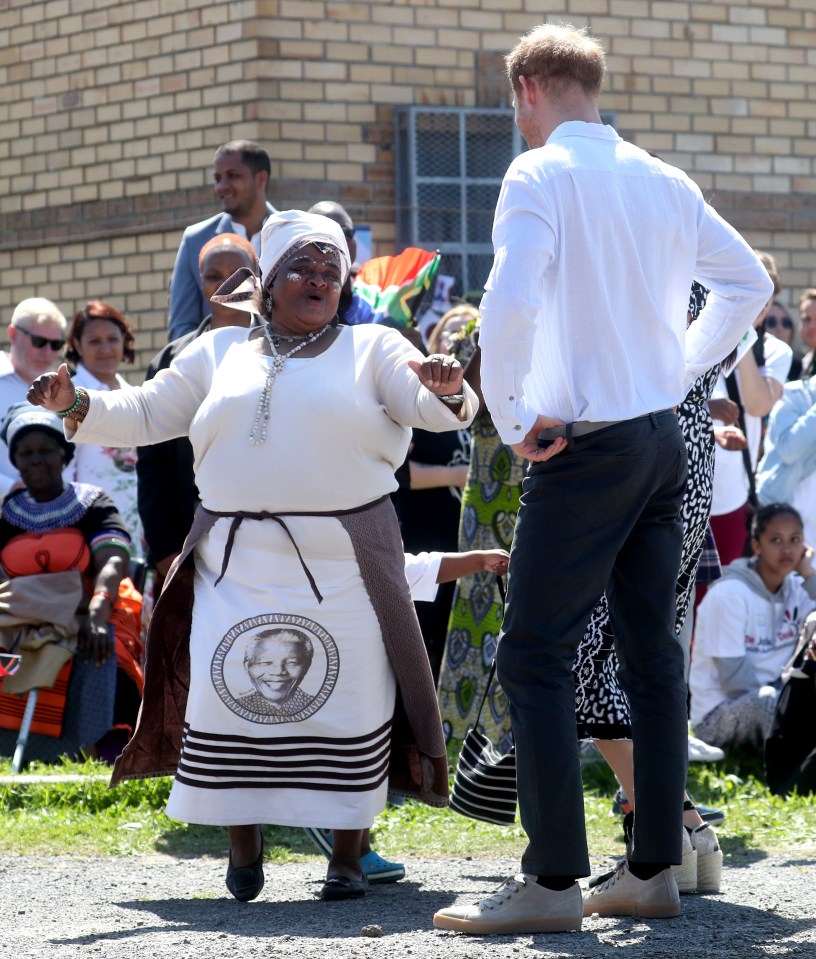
<point>258,434</point>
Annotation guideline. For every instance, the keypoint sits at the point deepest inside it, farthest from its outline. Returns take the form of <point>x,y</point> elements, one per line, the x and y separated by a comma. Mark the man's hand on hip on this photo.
<point>529,449</point>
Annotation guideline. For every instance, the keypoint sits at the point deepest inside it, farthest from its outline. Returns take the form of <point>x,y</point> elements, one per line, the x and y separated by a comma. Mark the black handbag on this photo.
<point>484,784</point>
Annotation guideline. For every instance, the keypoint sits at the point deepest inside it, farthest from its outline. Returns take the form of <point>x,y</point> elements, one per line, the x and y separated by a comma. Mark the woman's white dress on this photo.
<point>316,750</point>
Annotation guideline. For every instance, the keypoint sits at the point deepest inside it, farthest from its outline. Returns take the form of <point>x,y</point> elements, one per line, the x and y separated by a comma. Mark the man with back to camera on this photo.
<point>36,338</point>
<point>585,354</point>
<point>241,171</point>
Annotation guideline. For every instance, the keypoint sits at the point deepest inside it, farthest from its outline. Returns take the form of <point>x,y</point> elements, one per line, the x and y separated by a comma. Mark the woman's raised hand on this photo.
<point>54,391</point>
<point>442,375</point>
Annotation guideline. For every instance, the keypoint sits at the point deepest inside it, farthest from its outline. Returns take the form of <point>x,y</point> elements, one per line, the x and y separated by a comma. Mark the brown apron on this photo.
<point>418,766</point>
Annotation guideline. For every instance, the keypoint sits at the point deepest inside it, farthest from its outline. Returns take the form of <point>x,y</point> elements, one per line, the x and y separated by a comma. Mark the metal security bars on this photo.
<point>450,165</point>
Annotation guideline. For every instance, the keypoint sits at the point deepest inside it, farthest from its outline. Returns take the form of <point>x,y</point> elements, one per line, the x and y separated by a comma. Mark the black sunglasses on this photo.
<point>38,342</point>
<point>785,322</point>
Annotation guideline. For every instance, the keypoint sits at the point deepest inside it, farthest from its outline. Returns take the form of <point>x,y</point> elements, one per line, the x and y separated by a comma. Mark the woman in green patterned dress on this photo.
<point>490,502</point>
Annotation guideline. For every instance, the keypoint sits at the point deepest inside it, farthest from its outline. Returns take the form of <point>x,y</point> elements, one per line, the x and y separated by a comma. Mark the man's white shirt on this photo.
<point>584,316</point>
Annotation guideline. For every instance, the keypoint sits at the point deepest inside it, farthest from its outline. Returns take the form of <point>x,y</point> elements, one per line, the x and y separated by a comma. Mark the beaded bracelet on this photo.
<point>78,410</point>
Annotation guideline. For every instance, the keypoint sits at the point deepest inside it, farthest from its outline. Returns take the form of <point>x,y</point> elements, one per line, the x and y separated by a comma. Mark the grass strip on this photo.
<point>86,818</point>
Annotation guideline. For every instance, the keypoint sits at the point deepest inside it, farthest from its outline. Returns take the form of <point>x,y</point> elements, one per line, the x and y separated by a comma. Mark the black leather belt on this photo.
<point>570,431</point>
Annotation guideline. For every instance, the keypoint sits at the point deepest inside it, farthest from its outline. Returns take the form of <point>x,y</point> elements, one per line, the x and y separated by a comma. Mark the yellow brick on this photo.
<point>392,14</point>
<point>596,6</point>
<point>801,110</point>
<point>801,184</point>
<point>735,107</point>
<point>348,11</point>
<point>789,91</point>
<point>86,193</point>
<point>345,172</point>
<point>302,49</point>
<point>284,151</point>
<point>749,126</point>
<point>303,171</point>
<point>650,104</point>
<point>630,46</point>
<point>768,36</point>
<point>301,91</point>
<point>327,152</point>
<point>670,10</point>
<point>677,123</point>
<point>328,30</point>
<point>444,77</point>
<point>304,131</point>
<point>361,153</point>
<point>788,128</point>
<point>326,70</point>
<point>647,27</point>
<point>303,9</point>
<point>425,38</point>
<point>397,95</point>
<point>361,113</point>
<point>772,184</point>
<point>688,105</point>
<point>377,35</point>
<point>805,39</point>
<point>325,111</point>
<point>767,108</point>
<point>731,71</point>
<point>734,182</point>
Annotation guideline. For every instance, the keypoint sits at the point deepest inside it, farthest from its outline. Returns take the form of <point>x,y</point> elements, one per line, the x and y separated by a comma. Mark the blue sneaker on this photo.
<point>375,868</point>
<point>322,838</point>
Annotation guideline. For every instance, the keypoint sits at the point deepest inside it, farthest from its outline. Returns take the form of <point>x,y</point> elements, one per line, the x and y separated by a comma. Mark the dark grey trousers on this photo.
<point>602,515</point>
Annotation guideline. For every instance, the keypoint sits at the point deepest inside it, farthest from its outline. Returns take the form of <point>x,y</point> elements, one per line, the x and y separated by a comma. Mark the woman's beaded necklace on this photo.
<point>258,434</point>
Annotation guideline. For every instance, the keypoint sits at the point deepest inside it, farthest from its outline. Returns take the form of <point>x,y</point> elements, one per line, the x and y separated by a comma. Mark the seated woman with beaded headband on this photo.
<point>297,428</point>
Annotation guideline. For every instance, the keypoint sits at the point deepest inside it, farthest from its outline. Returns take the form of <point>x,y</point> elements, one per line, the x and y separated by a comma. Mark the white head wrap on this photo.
<point>285,233</point>
<point>282,236</point>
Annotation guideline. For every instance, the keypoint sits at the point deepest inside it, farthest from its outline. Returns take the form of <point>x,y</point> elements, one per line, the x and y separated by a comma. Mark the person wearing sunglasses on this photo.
<point>36,338</point>
<point>781,325</point>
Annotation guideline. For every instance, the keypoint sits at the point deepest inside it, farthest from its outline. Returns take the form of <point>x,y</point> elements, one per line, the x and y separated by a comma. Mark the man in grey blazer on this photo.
<point>240,173</point>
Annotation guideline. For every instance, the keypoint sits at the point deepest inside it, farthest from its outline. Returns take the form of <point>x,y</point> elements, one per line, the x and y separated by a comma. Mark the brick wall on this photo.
<point>110,111</point>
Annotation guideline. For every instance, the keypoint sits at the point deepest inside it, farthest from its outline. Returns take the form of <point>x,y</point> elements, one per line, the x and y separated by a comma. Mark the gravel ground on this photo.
<point>159,906</point>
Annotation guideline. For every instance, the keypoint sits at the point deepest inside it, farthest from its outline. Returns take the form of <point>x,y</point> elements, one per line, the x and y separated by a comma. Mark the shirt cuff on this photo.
<point>513,429</point>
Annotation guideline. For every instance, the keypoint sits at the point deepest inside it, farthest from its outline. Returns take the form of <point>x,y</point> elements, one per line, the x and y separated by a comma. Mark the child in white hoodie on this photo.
<point>747,627</point>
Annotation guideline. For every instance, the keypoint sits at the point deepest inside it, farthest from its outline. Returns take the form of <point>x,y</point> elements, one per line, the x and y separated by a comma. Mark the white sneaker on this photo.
<point>685,875</point>
<point>709,858</point>
<point>625,895</point>
<point>700,752</point>
<point>518,906</point>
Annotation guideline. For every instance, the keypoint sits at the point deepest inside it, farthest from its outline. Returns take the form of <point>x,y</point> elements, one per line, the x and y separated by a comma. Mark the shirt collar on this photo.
<point>578,128</point>
<point>92,381</point>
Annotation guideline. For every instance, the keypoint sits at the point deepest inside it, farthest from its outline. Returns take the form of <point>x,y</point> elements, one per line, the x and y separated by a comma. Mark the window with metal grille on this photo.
<point>450,163</point>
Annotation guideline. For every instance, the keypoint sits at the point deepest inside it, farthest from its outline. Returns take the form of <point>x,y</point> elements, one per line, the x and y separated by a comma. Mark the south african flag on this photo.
<point>394,285</point>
